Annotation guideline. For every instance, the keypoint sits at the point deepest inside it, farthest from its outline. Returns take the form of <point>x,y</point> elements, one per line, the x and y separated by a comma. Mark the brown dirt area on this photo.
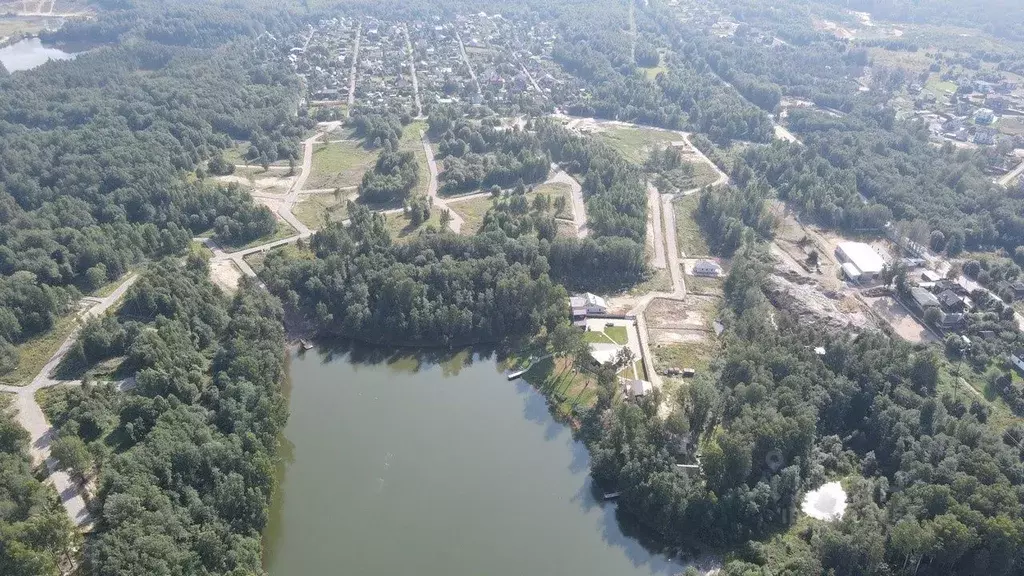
<point>901,321</point>
<point>226,275</point>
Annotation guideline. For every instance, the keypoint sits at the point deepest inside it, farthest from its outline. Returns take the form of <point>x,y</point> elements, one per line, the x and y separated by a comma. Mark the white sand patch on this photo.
<point>826,503</point>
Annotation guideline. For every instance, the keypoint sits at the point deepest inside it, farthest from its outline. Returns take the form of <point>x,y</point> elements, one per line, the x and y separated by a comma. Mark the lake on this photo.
<point>395,464</point>
<point>29,53</point>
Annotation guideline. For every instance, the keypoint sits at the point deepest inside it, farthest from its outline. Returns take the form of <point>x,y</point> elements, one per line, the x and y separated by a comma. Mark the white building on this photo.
<point>707,268</point>
<point>634,388</point>
<point>588,304</point>
<point>864,258</point>
<point>1017,359</point>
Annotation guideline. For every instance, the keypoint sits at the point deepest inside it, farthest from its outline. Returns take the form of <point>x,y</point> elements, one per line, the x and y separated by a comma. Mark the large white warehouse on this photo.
<point>864,258</point>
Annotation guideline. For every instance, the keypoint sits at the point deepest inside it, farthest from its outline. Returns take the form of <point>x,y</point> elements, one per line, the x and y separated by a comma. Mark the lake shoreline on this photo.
<point>375,454</point>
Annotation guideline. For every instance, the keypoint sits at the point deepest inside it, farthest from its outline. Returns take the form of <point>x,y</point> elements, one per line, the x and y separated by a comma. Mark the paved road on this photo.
<point>456,221</point>
<point>352,72</point>
<point>30,416</point>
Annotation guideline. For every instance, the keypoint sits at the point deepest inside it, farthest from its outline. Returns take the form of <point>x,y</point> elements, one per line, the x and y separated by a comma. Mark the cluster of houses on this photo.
<point>322,56</point>
<point>971,116</point>
<point>383,72</point>
<point>483,59</point>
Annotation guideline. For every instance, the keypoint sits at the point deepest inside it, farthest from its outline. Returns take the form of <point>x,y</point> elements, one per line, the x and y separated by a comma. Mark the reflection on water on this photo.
<point>29,53</point>
<point>433,463</point>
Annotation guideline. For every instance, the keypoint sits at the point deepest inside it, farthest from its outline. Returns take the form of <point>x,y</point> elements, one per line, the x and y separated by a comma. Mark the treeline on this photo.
<point>437,289</point>
<point>376,129</point>
<point>185,463</point>
<point>476,155</point>
<point>933,486</point>
<point>393,177</point>
<point>613,188</point>
<point>92,154</point>
<point>731,217</point>
<point>899,174</point>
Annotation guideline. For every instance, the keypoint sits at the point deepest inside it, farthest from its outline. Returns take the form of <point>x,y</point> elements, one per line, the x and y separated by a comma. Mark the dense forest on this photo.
<point>92,162</point>
<point>185,463</point>
<point>441,288</point>
<point>931,485</point>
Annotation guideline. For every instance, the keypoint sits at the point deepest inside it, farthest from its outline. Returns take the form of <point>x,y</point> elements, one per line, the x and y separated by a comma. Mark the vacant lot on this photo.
<point>681,332</point>
<point>689,237</point>
<point>316,210</point>
<point>339,164</point>
<point>400,226</point>
<point>901,321</point>
<point>636,143</point>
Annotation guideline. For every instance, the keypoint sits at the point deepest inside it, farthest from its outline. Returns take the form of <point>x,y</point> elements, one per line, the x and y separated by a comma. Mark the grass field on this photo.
<point>401,227</point>
<point>689,237</point>
<point>635,144</point>
<point>696,355</point>
<point>705,285</point>
<point>1011,125</point>
<point>312,209</point>
<point>473,211</point>
<point>36,352</point>
<point>339,165</point>
<point>939,87</point>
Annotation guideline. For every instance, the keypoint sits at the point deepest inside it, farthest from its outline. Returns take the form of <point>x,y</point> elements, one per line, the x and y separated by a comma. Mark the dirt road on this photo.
<point>465,59</point>
<point>30,416</point>
<point>456,221</point>
<point>579,207</point>
<point>353,71</point>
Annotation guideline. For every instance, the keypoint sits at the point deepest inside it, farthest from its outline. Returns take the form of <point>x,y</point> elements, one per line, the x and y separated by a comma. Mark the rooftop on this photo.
<point>863,256</point>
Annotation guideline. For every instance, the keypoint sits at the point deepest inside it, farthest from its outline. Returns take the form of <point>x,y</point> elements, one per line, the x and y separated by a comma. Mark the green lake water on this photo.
<point>406,465</point>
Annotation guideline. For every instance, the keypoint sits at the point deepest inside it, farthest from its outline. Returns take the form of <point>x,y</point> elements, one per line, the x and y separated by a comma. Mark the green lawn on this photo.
<point>556,380</point>
<point>610,335</point>
<point>312,209</point>
<point>689,237</point>
<point>617,333</point>
<point>339,164</point>
<point>635,144</point>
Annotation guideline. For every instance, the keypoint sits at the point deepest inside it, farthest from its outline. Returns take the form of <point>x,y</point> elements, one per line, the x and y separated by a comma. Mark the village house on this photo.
<point>636,388</point>
<point>707,268</point>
